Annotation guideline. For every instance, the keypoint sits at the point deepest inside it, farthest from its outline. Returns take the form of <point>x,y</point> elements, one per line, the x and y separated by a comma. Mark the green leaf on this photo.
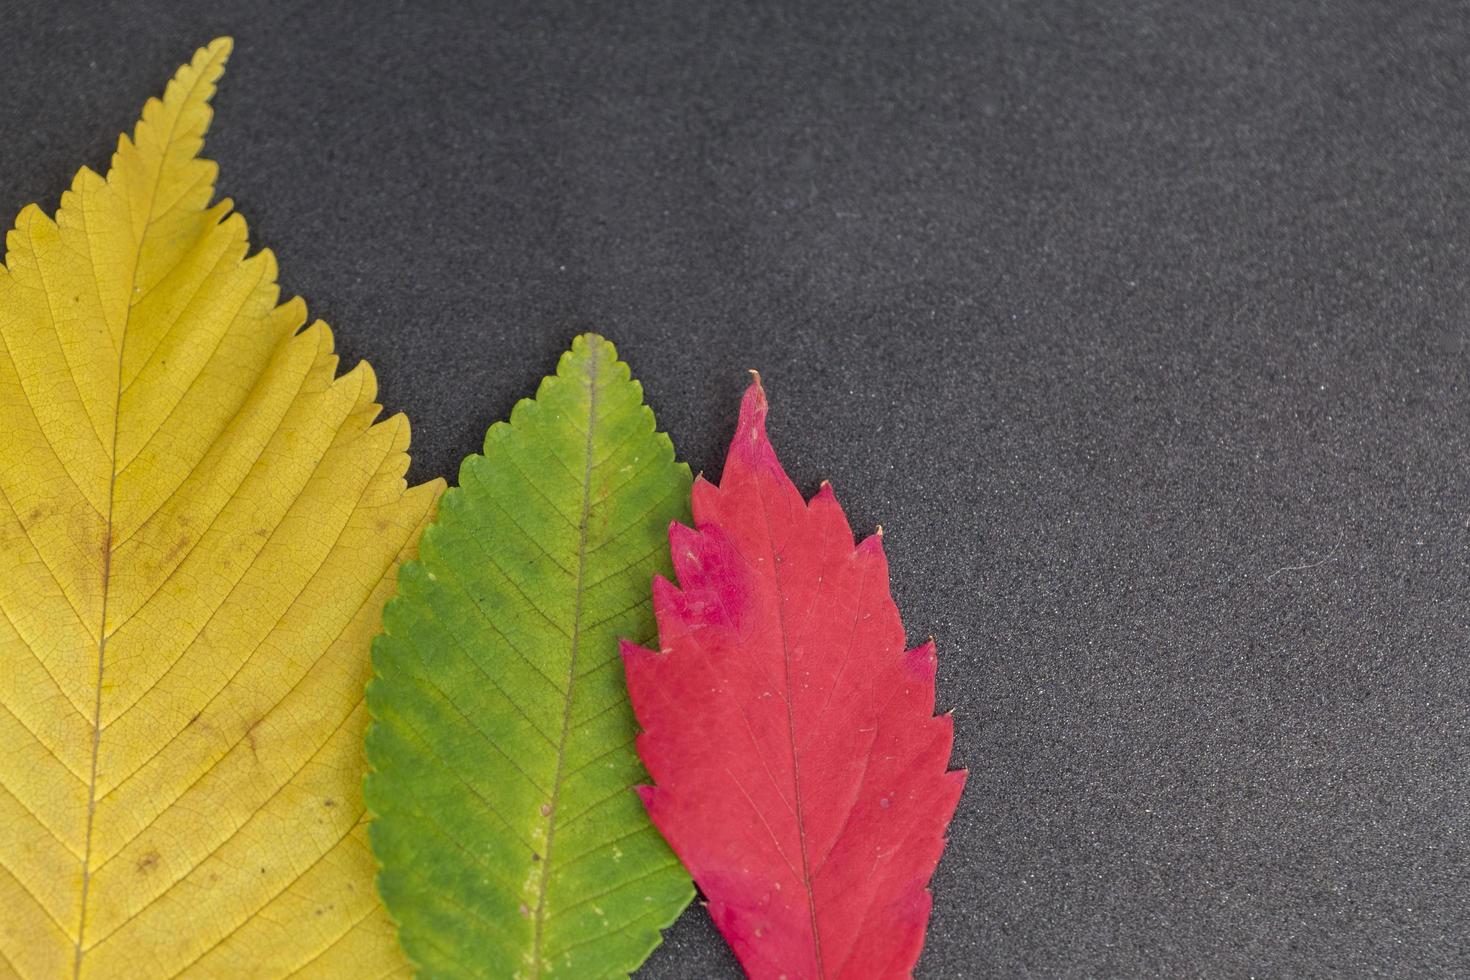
<point>512,842</point>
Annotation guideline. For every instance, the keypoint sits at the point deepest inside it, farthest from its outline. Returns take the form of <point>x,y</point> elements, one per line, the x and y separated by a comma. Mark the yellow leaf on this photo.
<point>199,524</point>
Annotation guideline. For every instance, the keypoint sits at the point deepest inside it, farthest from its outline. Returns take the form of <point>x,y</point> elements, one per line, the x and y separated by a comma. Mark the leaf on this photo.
<point>799,773</point>
<point>198,526</point>
<point>502,742</point>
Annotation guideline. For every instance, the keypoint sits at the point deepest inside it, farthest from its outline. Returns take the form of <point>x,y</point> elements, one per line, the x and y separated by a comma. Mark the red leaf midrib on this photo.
<point>806,878</point>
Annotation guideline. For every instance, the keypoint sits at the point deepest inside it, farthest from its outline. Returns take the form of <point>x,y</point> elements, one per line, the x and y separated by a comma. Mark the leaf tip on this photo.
<point>751,426</point>
<point>755,395</point>
<point>591,343</point>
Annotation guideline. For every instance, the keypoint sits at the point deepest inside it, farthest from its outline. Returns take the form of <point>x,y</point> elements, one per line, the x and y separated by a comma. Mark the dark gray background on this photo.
<point>1144,334</point>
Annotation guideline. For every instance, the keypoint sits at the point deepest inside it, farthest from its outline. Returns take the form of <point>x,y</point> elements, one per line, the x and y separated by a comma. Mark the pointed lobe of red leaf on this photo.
<point>798,769</point>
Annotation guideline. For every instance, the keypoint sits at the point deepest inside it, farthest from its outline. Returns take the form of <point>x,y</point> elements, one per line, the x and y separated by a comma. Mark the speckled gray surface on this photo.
<point>1144,335</point>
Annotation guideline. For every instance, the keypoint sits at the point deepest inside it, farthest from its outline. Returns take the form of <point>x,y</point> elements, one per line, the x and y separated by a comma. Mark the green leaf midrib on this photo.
<point>566,720</point>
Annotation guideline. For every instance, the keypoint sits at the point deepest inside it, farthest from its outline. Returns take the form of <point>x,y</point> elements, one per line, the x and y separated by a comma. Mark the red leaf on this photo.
<point>799,771</point>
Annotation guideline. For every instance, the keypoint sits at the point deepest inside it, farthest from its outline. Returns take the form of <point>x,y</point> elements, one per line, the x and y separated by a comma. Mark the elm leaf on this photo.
<point>503,765</point>
<point>199,525</point>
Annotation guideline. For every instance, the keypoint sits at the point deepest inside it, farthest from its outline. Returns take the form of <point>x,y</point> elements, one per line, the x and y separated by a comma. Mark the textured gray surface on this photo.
<point>1144,336</point>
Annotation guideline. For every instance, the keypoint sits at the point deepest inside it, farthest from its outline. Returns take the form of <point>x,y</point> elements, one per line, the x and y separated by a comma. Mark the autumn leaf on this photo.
<point>503,779</point>
<point>198,528</point>
<point>798,771</point>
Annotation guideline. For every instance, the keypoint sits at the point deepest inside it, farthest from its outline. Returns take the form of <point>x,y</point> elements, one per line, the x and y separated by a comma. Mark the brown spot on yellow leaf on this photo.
<point>250,737</point>
<point>179,547</point>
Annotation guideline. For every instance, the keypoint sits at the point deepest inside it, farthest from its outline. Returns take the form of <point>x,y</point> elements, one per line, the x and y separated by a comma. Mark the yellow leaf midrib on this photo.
<point>102,631</point>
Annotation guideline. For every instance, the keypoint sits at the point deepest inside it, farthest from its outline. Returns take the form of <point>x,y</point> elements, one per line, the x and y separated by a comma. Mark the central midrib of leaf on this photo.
<point>102,633</point>
<point>101,658</point>
<point>576,642</point>
<point>806,874</point>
